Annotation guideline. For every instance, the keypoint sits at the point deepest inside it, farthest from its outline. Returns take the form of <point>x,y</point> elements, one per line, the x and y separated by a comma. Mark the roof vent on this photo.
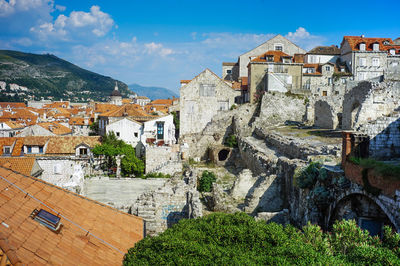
<point>47,219</point>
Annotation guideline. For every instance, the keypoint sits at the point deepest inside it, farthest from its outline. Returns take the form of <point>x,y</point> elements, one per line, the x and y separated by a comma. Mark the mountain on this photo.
<point>25,76</point>
<point>152,92</point>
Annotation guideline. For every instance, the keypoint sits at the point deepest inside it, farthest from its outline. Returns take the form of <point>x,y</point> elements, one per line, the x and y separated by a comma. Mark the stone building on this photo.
<point>278,43</point>
<point>325,79</point>
<point>201,99</point>
<point>322,54</point>
<point>273,71</point>
<point>367,58</point>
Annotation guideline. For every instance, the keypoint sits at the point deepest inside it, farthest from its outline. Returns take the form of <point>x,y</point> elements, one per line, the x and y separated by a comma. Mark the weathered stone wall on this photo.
<point>277,108</point>
<point>223,124</point>
<point>328,112</point>
<point>157,159</point>
<point>201,99</point>
<point>64,171</point>
<point>119,193</point>
<point>368,101</point>
<point>162,208</point>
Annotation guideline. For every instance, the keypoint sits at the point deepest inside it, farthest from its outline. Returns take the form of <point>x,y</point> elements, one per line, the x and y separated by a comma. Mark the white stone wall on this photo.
<point>128,130</point>
<point>150,129</point>
<point>159,157</point>
<point>196,111</point>
<point>320,59</point>
<point>64,171</point>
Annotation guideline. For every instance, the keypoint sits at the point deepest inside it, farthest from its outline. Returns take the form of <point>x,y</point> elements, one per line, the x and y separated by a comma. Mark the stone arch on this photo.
<point>379,212</point>
<point>223,155</point>
<point>355,110</point>
<point>324,115</point>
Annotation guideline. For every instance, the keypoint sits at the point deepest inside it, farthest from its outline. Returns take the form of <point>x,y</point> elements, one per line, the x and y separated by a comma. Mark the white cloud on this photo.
<point>304,39</point>
<point>157,48</point>
<point>78,23</point>
<point>61,8</point>
<point>10,7</point>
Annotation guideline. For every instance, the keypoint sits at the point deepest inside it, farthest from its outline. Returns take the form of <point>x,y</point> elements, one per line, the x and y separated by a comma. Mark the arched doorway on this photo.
<point>365,211</point>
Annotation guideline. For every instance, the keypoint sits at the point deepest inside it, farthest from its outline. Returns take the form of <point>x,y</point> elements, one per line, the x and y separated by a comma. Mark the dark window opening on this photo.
<point>29,149</point>
<point>136,134</point>
<point>117,134</point>
<point>40,149</point>
<point>223,155</point>
<point>160,130</point>
<point>83,151</point>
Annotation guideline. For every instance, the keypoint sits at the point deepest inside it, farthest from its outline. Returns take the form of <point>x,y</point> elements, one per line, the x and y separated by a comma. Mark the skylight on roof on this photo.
<point>47,219</point>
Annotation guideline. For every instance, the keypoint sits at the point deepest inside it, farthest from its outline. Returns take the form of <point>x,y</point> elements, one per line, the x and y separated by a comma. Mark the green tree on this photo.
<point>111,147</point>
<point>237,239</point>
<point>206,181</point>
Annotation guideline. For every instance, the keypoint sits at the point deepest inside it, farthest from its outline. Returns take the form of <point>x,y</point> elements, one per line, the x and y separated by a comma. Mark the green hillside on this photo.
<point>50,77</point>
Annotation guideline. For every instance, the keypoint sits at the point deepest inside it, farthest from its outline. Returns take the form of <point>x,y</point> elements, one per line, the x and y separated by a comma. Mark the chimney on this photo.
<point>362,36</point>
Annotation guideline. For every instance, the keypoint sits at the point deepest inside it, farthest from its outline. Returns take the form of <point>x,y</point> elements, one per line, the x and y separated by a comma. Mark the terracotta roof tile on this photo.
<point>126,110</point>
<point>104,107</point>
<point>56,128</point>
<point>276,56</point>
<point>33,243</point>
<point>79,121</point>
<point>67,144</point>
<point>22,165</point>
<point>354,42</point>
<point>162,102</point>
<point>12,105</point>
<point>14,125</point>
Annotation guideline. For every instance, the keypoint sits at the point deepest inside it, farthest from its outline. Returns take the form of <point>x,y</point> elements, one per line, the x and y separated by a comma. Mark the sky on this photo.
<point>160,42</point>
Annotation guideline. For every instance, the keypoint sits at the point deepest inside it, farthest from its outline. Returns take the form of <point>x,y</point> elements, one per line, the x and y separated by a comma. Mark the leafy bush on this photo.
<point>308,176</point>
<point>156,175</point>
<point>237,239</point>
<point>111,147</point>
<point>231,141</point>
<point>206,180</point>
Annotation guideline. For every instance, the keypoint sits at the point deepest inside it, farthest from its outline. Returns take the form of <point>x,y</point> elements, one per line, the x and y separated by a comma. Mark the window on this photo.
<point>278,47</point>
<point>207,90</point>
<point>375,61</point>
<point>362,46</point>
<point>117,133</point>
<point>307,85</point>
<point>361,75</point>
<point>83,151</point>
<point>329,81</point>
<point>362,61</point>
<point>47,219</point>
<point>29,149</point>
<point>375,47</point>
<point>160,130</point>
<point>57,169</point>
<point>328,68</point>
<point>191,107</point>
<point>11,134</point>
<point>222,105</point>
<point>229,71</point>
<point>343,80</point>
<point>40,149</point>
<point>7,150</point>
<point>135,134</point>
<point>324,93</point>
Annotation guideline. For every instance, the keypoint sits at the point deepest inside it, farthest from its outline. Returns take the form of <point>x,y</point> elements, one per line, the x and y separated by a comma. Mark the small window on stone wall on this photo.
<point>324,93</point>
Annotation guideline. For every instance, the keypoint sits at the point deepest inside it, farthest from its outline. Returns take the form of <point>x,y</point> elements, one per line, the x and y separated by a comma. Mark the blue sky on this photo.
<point>158,43</point>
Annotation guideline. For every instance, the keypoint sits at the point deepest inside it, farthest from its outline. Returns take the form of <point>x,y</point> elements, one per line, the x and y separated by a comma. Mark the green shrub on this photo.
<point>237,239</point>
<point>206,181</point>
<point>308,176</point>
<point>231,141</point>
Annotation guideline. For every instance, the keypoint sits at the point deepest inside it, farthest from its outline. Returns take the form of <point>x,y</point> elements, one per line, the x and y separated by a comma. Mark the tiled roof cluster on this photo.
<point>91,233</point>
<point>276,57</point>
<point>21,165</point>
<point>385,44</point>
<point>325,50</point>
<point>56,128</point>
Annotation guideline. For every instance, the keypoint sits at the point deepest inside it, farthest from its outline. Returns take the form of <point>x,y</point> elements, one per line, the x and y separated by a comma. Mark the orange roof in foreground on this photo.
<point>22,165</point>
<point>91,234</point>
